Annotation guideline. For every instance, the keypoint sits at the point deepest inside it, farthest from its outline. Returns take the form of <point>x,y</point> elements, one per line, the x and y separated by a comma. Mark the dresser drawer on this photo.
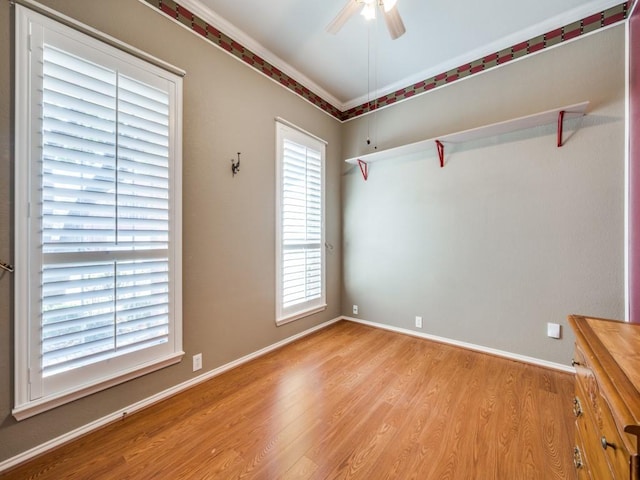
<point>612,443</point>
<point>579,358</point>
<point>607,398</point>
<point>593,455</point>
<point>580,462</point>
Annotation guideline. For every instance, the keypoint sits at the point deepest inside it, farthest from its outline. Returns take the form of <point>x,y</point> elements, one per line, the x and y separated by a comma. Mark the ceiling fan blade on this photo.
<point>350,9</point>
<point>394,22</point>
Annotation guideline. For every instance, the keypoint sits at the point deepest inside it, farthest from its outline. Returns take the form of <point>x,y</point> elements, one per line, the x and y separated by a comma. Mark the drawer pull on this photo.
<point>605,444</point>
<point>577,458</point>
<point>577,408</point>
<point>574,362</point>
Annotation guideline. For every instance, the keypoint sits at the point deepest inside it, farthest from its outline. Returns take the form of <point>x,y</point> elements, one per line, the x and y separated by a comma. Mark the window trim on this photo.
<point>98,35</point>
<point>284,130</point>
<point>24,322</point>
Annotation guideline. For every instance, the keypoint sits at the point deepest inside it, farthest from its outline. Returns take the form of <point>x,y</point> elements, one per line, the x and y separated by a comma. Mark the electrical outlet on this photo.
<point>418,322</point>
<point>553,330</point>
<point>355,309</point>
<point>197,362</point>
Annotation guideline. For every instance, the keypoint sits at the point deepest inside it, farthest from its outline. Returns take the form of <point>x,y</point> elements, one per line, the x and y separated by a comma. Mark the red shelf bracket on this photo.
<point>560,127</point>
<point>364,168</point>
<point>440,152</point>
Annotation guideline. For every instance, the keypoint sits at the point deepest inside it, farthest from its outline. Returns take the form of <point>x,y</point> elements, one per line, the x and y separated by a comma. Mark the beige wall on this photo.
<point>513,232</point>
<point>229,236</point>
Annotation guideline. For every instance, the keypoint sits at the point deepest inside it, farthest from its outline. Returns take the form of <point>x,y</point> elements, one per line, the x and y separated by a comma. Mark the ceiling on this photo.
<point>441,35</point>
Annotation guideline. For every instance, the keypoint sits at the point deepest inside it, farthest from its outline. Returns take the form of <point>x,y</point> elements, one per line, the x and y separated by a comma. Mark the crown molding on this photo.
<point>540,28</point>
<point>222,24</point>
<point>580,21</point>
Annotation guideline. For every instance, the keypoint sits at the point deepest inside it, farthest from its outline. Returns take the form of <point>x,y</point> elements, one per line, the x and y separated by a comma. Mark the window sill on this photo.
<point>29,409</point>
<point>298,315</point>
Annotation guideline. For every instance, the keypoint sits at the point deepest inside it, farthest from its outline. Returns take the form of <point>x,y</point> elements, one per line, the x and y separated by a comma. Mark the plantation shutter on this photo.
<point>105,178</point>
<point>98,147</point>
<point>79,153</point>
<point>105,158</point>
<point>301,223</point>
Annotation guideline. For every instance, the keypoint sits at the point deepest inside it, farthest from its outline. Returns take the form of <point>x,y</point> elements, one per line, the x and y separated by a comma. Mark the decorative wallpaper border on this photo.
<point>549,39</point>
<point>568,32</point>
<point>215,36</point>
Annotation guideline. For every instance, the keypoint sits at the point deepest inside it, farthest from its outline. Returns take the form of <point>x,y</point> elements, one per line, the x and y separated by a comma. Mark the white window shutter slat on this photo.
<point>97,213</point>
<point>300,225</point>
<point>77,314</point>
<point>105,179</point>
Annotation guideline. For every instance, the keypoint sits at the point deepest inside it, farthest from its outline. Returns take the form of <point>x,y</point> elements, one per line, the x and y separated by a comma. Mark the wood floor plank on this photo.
<point>302,470</point>
<point>347,402</point>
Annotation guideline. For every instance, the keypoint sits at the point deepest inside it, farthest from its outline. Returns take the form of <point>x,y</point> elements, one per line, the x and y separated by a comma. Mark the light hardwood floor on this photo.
<point>349,401</point>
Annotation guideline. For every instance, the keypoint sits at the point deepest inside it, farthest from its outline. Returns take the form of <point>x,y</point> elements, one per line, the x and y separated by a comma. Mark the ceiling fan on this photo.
<point>367,8</point>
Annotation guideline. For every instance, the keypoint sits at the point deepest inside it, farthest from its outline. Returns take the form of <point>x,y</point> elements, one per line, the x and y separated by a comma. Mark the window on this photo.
<point>300,251</point>
<point>98,229</point>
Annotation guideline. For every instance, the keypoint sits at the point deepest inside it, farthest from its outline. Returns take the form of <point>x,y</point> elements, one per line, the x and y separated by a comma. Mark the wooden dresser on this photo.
<point>607,399</point>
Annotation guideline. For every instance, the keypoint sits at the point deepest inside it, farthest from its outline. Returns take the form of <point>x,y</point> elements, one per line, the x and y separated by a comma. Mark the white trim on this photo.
<point>627,179</point>
<point>302,314</point>
<point>507,41</point>
<point>98,35</point>
<point>475,75</point>
<point>168,393</point>
<point>47,403</point>
<point>215,20</point>
<point>149,401</point>
<point>222,24</point>
<point>196,7</point>
<point>22,149</point>
<point>268,77</point>
<point>31,394</point>
<point>288,131</point>
<point>469,346</point>
<point>300,129</point>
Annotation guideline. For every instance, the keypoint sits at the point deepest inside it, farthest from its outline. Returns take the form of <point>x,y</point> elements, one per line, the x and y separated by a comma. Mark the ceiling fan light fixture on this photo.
<point>394,22</point>
<point>351,8</point>
<point>369,11</point>
<point>388,4</point>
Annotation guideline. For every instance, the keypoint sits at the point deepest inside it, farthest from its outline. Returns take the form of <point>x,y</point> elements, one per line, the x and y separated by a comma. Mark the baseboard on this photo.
<point>147,402</point>
<point>469,346</point>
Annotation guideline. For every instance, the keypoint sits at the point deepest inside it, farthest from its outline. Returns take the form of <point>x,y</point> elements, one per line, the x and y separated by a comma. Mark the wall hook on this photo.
<point>235,166</point>
<point>6,267</point>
